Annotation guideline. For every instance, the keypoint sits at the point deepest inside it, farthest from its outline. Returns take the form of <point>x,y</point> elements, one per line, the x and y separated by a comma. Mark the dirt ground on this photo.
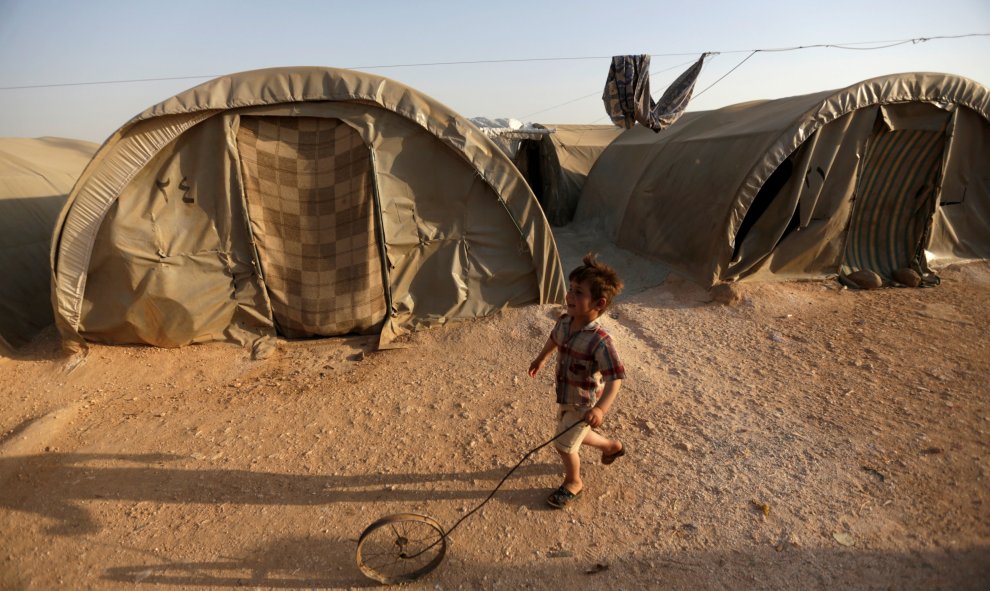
<point>804,437</point>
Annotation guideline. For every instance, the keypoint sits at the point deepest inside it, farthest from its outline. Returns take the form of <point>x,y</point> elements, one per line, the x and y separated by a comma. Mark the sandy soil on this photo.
<point>804,437</point>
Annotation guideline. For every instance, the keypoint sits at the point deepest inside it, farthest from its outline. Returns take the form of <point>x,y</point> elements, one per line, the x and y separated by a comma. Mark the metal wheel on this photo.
<point>401,547</point>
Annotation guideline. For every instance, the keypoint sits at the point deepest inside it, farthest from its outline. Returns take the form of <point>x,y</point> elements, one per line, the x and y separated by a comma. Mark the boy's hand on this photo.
<point>541,359</point>
<point>595,417</point>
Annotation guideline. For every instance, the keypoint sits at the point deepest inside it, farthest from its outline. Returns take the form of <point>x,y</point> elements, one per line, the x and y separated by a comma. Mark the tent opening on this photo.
<point>895,200</point>
<point>764,198</point>
<point>310,198</point>
<point>528,161</point>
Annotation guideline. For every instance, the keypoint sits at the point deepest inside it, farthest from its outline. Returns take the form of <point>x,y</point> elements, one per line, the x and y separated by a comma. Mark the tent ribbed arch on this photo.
<point>897,88</point>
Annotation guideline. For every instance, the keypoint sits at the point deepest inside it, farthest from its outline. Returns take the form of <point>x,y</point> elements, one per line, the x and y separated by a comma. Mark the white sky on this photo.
<point>50,42</point>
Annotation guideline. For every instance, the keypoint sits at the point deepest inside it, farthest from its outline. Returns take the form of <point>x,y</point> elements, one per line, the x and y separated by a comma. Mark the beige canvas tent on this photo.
<point>307,201</point>
<point>36,175</point>
<point>556,165</point>
<point>888,173</point>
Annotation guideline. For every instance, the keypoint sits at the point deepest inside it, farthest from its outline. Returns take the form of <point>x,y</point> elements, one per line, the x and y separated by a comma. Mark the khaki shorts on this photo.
<point>567,415</point>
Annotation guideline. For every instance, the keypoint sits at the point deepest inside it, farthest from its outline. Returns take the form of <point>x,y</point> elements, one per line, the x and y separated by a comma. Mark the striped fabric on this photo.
<point>627,93</point>
<point>585,361</point>
<point>309,193</point>
<point>895,198</point>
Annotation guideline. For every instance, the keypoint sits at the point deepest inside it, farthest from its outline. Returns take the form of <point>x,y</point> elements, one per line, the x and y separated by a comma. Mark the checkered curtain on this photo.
<point>309,192</point>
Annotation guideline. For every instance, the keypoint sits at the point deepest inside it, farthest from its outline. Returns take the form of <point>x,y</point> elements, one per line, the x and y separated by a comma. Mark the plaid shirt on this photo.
<point>585,361</point>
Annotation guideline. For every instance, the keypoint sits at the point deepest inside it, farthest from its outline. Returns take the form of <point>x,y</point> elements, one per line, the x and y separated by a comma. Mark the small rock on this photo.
<point>908,277</point>
<point>863,279</point>
<point>263,348</point>
<point>726,293</point>
<point>683,445</point>
<point>762,507</point>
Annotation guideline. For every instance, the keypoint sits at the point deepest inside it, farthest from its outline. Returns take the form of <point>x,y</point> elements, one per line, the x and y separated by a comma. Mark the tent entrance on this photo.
<point>310,198</point>
<point>895,201</point>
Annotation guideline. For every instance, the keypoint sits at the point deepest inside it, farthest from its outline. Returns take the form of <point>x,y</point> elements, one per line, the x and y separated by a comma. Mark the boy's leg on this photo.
<point>603,444</point>
<point>572,471</point>
<point>573,433</point>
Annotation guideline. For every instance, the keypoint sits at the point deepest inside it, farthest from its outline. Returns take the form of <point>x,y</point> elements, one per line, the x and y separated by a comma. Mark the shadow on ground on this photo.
<point>320,562</point>
<point>51,485</point>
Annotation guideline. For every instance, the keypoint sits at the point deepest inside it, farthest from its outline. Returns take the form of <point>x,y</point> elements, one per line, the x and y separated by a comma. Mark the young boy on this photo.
<point>589,373</point>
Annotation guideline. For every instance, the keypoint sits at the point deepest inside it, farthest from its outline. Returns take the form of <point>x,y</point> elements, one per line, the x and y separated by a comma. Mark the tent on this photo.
<point>554,159</point>
<point>299,201</point>
<point>36,175</point>
<point>507,133</point>
<point>889,173</point>
<point>556,164</point>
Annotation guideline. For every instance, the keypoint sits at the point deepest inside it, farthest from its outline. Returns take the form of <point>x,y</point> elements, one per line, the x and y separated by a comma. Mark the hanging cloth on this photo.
<point>627,93</point>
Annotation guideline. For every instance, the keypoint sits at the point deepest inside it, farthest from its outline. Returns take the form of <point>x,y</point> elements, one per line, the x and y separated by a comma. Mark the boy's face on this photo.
<point>580,302</point>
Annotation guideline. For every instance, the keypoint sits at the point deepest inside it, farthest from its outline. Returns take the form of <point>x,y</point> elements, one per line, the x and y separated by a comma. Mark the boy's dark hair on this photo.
<point>602,279</point>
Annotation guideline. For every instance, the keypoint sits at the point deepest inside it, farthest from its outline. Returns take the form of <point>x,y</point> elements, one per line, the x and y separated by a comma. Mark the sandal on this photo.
<point>562,497</point>
<point>609,458</point>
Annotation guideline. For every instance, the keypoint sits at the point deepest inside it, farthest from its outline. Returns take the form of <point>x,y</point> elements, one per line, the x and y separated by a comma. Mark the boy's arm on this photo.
<point>541,359</point>
<point>596,416</point>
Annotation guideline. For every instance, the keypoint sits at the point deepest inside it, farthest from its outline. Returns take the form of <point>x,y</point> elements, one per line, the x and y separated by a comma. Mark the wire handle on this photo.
<point>499,485</point>
<point>509,473</point>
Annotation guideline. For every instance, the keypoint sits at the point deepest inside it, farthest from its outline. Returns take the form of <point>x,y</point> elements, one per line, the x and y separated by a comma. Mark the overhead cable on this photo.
<point>848,45</point>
